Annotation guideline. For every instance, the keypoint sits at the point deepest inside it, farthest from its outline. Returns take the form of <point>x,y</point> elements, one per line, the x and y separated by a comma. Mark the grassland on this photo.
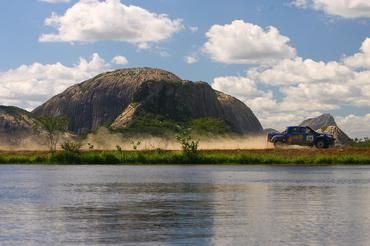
<point>354,156</point>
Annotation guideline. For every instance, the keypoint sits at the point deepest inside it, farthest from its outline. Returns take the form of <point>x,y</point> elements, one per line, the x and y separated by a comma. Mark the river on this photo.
<point>184,205</point>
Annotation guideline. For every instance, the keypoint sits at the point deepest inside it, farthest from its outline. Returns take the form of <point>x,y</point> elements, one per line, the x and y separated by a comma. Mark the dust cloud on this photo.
<point>104,139</point>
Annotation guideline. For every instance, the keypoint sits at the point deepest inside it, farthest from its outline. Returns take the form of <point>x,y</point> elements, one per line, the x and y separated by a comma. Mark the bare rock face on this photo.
<point>326,123</point>
<point>115,98</point>
<point>341,137</point>
<point>320,121</point>
<point>16,125</point>
<point>238,114</point>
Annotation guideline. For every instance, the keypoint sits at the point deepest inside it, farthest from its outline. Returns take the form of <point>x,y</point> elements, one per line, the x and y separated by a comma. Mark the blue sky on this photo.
<point>287,60</point>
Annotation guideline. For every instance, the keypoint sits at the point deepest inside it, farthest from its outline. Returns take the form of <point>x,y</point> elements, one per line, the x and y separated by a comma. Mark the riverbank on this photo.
<point>268,156</point>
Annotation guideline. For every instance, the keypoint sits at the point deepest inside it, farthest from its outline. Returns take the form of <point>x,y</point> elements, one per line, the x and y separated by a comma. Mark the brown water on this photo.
<point>190,205</point>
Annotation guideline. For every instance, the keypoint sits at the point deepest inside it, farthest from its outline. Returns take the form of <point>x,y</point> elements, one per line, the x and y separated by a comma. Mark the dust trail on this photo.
<point>32,143</point>
<point>104,139</point>
<point>245,142</point>
<point>28,144</point>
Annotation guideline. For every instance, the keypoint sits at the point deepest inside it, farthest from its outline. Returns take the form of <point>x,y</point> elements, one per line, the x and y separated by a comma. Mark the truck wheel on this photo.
<point>278,144</point>
<point>321,144</point>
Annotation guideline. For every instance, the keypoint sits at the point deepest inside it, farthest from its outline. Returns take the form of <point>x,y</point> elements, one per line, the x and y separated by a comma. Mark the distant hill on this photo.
<point>120,98</point>
<point>326,123</point>
<point>17,125</point>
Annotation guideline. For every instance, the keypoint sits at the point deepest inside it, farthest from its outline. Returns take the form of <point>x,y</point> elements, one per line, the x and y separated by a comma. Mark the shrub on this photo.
<point>188,144</point>
<point>71,147</point>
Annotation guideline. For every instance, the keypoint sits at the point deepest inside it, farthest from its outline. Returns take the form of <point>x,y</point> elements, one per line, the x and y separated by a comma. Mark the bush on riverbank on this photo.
<point>174,157</point>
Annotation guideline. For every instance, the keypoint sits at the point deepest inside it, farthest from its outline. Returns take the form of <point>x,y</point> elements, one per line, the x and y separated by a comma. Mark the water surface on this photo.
<point>166,205</point>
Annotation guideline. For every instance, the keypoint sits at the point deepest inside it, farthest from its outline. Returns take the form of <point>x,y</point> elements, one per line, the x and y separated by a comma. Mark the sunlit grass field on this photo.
<point>283,156</point>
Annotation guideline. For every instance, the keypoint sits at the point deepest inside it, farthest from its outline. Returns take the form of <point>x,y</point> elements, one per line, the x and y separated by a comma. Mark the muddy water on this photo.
<point>201,205</point>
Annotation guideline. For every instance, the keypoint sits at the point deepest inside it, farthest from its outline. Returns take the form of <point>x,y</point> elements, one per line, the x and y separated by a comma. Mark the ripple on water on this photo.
<point>255,205</point>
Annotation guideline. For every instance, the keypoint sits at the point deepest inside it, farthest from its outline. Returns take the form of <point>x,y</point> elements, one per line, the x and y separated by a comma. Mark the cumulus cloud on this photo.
<point>343,8</point>
<point>246,90</point>
<point>299,70</point>
<point>245,43</point>
<point>355,125</point>
<point>361,59</point>
<point>30,85</point>
<point>120,60</point>
<point>93,20</point>
<point>303,87</point>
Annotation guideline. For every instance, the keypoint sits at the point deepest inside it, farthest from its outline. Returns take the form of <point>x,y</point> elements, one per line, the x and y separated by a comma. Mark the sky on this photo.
<point>288,60</point>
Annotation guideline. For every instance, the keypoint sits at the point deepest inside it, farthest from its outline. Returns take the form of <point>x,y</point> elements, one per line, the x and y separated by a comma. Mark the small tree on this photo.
<point>188,144</point>
<point>54,127</point>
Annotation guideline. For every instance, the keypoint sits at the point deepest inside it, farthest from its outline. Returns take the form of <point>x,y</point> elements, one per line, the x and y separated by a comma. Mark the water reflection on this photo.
<point>184,205</point>
<point>143,212</point>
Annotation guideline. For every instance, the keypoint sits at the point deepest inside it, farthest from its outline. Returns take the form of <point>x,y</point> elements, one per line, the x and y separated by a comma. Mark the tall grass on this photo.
<point>173,157</point>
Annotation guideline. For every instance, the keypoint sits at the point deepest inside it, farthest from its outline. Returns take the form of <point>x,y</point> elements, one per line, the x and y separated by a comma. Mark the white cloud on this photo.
<point>30,85</point>
<point>246,43</point>
<point>246,90</point>
<point>302,88</point>
<point>120,60</point>
<point>361,59</point>
<point>343,8</point>
<point>93,20</point>
<point>298,70</point>
<point>55,1</point>
<point>355,125</point>
<point>191,59</point>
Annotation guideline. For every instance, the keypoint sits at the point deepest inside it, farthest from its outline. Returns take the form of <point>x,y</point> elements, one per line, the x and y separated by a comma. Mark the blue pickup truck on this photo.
<point>301,135</point>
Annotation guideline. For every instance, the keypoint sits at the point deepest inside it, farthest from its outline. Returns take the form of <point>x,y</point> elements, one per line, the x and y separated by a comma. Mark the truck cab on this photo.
<point>301,135</point>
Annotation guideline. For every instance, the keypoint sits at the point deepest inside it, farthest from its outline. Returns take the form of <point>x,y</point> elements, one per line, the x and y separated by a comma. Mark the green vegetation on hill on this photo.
<point>16,112</point>
<point>209,126</point>
<point>150,124</point>
<point>156,125</point>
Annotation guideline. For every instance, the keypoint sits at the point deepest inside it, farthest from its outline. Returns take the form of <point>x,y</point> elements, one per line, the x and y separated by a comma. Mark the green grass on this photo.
<point>160,126</point>
<point>361,143</point>
<point>173,157</point>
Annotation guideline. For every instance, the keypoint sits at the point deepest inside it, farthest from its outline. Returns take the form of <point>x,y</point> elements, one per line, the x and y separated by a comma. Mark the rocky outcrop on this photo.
<point>238,115</point>
<point>341,137</point>
<point>115,98</point>
<point>326,123</point>
<point>320,121</point>
<point>17,126</point>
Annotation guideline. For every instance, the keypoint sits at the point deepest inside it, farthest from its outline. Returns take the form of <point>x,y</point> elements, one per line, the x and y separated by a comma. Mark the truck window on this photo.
<point>293,130</point>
